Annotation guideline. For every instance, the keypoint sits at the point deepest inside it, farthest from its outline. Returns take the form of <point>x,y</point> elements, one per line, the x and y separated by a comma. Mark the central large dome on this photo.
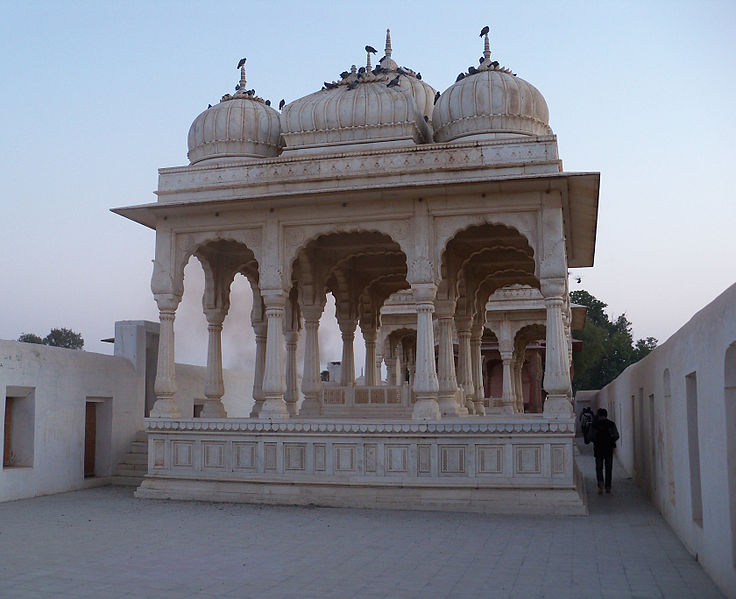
<point>382,107</point>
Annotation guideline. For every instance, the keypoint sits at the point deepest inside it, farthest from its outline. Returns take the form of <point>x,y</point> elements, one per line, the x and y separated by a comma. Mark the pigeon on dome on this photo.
<point>485,62</point>
<point>241,91</point>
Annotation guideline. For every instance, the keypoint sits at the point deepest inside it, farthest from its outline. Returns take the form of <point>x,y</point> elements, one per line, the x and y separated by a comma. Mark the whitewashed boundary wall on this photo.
<point>48,389</point>
<point>676,410</point>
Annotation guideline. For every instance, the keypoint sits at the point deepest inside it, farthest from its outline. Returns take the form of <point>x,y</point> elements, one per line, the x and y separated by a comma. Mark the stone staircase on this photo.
<point>134,465</point>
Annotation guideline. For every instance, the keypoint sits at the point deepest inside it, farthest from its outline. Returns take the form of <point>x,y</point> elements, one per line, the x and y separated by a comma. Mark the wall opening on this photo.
<point>693,443</point>
<point>635,439</point>
<point>730,406</point>
<point>97,437</point>
<point>669,428</point>
<point>18,427</point>
<point>652,441</point>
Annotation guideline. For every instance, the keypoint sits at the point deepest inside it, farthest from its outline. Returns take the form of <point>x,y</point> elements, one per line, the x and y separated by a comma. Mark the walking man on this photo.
<point>604,434</point>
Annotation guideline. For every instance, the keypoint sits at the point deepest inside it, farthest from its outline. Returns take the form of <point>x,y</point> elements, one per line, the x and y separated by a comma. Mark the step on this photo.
<point>124,470</point>
<point>131,467</point>
<point>135,458</point>
<point>139,447</point>
<point>141,437</point>
<point>126,481</point>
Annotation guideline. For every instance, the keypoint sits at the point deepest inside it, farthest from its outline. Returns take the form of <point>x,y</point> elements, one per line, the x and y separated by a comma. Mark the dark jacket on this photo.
<point>604,434</point>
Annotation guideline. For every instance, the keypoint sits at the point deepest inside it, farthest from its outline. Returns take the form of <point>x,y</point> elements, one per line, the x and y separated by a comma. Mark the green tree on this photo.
<point>64,338</point>
<point>608,346</point>
<point>56,338</point>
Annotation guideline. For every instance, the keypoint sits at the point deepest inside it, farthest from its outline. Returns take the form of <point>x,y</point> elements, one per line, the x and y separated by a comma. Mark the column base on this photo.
<point>470,406</point>
<point>274,408</point>
<point>291,408</point>
<point>213,408</point>
<point>311,406</point>
<point>165,407</point>
<point>426,408</point>
<point>448,405</point>
<point>256,408</point>
<point>480,409</point>
<point>557,406</point>
<point>507,408</point>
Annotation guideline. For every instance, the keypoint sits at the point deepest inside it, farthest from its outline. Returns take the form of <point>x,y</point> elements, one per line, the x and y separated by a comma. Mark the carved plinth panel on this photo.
<point>446,454</point>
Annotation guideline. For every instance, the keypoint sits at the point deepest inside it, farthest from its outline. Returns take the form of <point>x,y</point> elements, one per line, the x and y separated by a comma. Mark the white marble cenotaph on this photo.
<point>376,186</point>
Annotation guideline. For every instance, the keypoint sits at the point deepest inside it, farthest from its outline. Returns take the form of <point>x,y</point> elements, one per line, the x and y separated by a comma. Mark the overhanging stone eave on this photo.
<point>581,215</point>
<point>149,214</point>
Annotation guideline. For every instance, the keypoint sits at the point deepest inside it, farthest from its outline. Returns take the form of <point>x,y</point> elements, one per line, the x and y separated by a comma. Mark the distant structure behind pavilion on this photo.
<point>440,223</point>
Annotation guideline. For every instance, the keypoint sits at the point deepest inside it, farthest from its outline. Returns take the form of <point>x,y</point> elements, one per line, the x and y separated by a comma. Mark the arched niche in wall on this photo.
<point>729,397</point>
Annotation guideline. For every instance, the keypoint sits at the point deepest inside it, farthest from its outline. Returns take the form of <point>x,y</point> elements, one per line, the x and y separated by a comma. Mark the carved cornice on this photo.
<point>232,425</point>
<point>518,155</point>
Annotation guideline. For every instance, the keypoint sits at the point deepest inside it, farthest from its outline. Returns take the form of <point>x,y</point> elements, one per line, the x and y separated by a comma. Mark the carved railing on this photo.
<point>354,399</point>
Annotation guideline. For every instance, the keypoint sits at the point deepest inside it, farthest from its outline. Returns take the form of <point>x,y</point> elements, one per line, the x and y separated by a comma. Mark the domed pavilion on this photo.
<point>442,224</point>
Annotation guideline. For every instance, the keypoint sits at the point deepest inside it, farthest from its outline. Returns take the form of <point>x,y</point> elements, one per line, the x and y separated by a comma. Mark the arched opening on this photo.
<point>476,262</point>
<point>219,278</point>
<point>349,275</point>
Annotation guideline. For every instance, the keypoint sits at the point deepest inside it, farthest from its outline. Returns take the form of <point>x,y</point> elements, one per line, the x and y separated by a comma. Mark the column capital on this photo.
<point>347,326</point>
<point>553,289</point>
<point>424,293</point>
<point>444,308</point>
<point>167,302</point>
<point>370,334</point>
<point>215,316</point>
<point>274,298</point>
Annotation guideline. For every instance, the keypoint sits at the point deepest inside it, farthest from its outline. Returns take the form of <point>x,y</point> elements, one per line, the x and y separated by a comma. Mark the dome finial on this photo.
<point>486,46</point>
<point>241,66</point>
<point>388,43</point>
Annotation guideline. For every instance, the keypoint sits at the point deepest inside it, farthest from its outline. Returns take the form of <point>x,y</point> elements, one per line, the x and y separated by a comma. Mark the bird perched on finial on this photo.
<point>282,103</point>
<point>484,31</point>
<point>241,63</point>
<point>371,49</point>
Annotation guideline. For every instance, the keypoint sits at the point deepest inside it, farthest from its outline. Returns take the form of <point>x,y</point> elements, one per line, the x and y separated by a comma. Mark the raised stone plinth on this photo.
<point>493,465</point>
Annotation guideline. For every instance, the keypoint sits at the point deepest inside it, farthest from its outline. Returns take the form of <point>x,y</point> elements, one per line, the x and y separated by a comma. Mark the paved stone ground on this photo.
<point>104,543</point>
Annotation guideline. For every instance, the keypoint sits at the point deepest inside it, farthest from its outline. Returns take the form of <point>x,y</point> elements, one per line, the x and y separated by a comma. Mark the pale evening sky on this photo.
<point>98,95</point>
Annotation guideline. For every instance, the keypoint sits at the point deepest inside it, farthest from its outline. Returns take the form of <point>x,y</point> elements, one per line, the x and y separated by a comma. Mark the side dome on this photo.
<point>487,103</point>
<point>240,126</point>
<point>382,107</point>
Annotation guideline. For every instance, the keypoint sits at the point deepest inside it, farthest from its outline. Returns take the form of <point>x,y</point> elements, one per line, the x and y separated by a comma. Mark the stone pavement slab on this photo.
<point>102,542</point>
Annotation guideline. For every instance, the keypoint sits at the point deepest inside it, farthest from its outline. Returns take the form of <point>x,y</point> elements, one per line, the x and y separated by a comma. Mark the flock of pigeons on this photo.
<point>362,74</point>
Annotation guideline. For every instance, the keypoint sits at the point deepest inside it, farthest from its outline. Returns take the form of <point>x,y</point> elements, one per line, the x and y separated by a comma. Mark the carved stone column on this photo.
<point>446,361</point>
<point>214,387</point>
<point>557,366</point>
<point>519,382</point>
<point>464,362</point>
<point>311,379</point>
<point>426,385</point>
<point>260,332</point>
<point>347,366</point>
<point>370,335</point>
<point>274,381</point>
<point>476,335</point>
<point>291,396</point>
<point>165,384</point>
<point>390,362</point>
